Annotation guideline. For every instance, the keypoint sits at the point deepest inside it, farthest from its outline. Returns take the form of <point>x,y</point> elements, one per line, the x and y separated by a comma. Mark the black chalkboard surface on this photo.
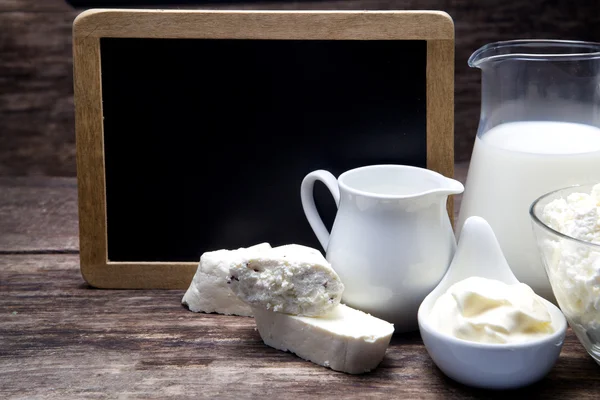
<point>207,141</point>
<point>196,128</point>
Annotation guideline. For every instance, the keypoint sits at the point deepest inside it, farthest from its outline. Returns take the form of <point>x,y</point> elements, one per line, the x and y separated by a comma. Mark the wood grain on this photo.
<point>62,339</point>
<point>36,38</point>
<point>91,25</point>
<point>38,214</point>
<point>440,110</point>
<point>57,6</point>
<point>90,158</point>
<point>36,102</point>
<point>255,24</point>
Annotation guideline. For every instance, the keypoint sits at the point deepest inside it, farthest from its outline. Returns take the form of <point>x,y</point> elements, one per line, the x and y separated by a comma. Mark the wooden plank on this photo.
<point>460,174</point>
<point>272,24</point>
<point>90,158</point>
<point>38,40</point>
<point>38,214</point>
<point>36,102</point>
<point>34,6</point>
<point>63,339</point>
<point>440,110</point>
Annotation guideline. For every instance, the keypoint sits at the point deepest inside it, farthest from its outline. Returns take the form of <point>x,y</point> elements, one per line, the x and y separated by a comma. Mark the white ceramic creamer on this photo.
<point>391,240</point>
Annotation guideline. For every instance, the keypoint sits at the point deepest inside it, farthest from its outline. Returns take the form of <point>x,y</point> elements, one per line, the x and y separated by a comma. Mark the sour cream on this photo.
<point>489,311</point>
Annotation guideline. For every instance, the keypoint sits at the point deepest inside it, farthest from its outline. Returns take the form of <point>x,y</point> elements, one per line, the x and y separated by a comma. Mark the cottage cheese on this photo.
<point>575,267</point>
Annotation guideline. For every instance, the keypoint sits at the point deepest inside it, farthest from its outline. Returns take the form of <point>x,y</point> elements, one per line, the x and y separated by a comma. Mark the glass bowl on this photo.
<point>573,268</point>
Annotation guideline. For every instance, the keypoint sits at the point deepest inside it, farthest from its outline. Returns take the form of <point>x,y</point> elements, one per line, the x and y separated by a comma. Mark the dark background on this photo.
<point>36,87</point>
<point>211,153</point>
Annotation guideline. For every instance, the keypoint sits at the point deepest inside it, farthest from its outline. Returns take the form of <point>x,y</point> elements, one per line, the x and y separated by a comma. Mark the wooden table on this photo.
<point>59,338</point>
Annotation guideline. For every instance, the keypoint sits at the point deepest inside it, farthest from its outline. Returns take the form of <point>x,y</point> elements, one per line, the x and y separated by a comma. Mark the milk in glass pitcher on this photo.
<point>539,130</point>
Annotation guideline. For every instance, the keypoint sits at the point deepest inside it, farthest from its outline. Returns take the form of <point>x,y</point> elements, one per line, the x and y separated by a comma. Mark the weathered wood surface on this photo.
<point>34,6</point>
<point>61,339</point>
<point>38,214</point>
<point>36,92</point>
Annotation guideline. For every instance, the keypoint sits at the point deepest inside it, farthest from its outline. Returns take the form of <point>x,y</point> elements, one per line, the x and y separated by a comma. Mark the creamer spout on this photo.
<point>451,186</point>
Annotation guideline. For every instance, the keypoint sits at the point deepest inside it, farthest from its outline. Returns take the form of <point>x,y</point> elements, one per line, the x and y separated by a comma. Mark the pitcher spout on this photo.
<point>449,187</point>
<point>534,50</point>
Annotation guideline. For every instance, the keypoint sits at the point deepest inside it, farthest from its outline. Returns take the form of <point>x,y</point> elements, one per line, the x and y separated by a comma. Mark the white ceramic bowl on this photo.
<point>483,365</point>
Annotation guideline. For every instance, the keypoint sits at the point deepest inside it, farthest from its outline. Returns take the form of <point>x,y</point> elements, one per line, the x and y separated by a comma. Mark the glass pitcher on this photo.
<point>539,130</point>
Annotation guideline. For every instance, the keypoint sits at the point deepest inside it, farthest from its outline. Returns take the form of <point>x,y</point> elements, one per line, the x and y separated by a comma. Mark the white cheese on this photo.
<point>209,291</point>
<point>345,339</point>
<point>291,279</point>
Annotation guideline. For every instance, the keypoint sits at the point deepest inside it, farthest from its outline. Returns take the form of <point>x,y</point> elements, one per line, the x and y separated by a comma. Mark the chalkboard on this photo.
<point>204,141</point>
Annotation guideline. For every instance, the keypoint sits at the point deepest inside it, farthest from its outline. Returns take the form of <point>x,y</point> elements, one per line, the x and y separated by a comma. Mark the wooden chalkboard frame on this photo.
<point>435,27</point>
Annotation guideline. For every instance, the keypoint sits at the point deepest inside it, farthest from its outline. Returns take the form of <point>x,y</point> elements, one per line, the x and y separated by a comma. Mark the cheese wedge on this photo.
<point>291,279</point>
<point>209,291</point>
<point>345,339</point>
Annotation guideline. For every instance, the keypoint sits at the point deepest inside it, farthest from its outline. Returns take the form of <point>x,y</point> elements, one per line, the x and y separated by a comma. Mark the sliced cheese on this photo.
<point>291,279</point>
<point>346,339</point>
<point>209,291</point>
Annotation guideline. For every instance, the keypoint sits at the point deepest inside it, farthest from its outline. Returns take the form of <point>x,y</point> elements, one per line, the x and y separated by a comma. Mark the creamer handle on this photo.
<point>308,202</point>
